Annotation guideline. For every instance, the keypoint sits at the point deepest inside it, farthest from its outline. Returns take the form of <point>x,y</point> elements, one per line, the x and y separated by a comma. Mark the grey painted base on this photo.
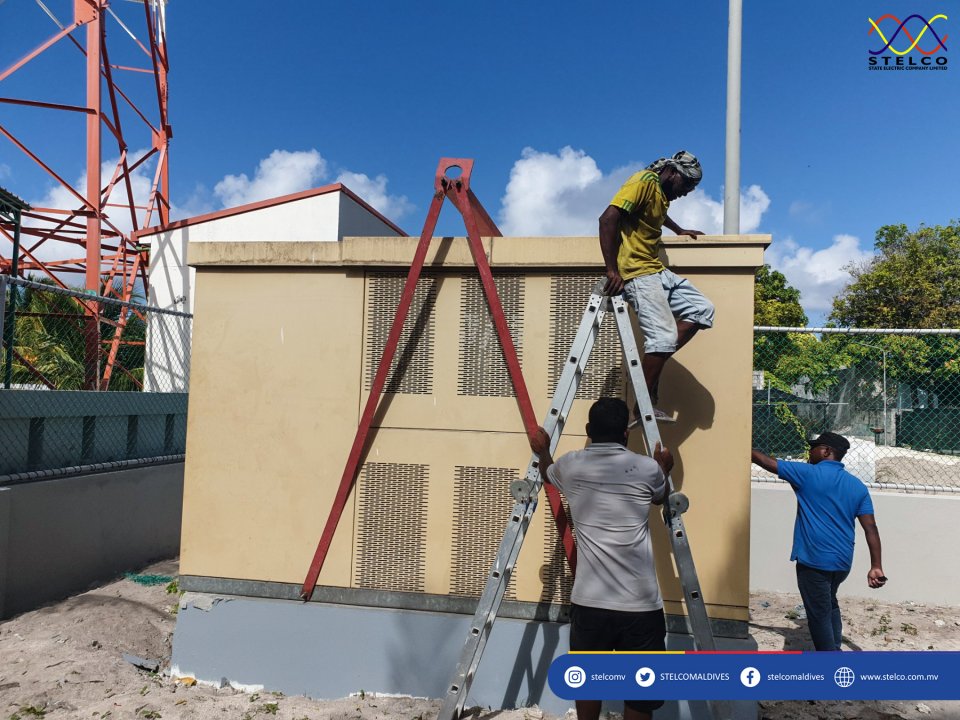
<point>331,651</point>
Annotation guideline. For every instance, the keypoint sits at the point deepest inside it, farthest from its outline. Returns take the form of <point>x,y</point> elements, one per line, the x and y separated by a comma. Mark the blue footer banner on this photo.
<point>885,675</point>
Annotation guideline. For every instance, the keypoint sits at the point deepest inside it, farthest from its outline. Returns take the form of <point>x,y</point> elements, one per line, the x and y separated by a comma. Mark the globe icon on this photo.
<point>843,677</point>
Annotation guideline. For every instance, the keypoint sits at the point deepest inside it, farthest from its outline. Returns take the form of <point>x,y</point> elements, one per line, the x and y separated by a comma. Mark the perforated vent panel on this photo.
<point>412,369</point>
<point>603,377</point>
<point>482,369</point>
<point>555,573</point>
<point>482,509</point>
<point>391,536</point>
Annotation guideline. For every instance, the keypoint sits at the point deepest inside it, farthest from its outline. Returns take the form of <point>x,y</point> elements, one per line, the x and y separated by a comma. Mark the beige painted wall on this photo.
<point>282,352</point>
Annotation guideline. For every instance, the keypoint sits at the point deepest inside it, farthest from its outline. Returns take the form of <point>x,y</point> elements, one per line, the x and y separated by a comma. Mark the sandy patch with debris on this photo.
<point>66,660</point>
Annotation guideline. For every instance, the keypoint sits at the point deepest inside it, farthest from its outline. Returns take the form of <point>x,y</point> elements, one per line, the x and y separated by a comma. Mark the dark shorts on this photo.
<point>598,630</point>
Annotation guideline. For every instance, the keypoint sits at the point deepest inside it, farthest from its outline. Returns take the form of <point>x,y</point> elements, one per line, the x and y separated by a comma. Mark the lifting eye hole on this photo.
<point>453,172</point>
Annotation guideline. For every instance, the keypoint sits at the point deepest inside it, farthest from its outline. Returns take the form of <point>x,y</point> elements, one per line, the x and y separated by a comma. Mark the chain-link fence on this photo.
<point>894,393</point>
<point>87,379</point>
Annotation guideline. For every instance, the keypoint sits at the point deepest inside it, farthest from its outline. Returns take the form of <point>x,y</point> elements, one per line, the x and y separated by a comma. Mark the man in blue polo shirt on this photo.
<point>828,500</point>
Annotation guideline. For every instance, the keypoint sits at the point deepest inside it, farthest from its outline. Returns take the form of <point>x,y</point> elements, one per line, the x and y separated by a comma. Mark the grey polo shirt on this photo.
<point>610,489</point>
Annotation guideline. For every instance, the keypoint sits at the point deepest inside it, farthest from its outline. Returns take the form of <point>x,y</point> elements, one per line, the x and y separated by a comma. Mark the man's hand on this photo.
<point>668,222</point>
<point>664,458</point>
<point>614,284</point>
<point>540,442</point>
<point>876,578</point>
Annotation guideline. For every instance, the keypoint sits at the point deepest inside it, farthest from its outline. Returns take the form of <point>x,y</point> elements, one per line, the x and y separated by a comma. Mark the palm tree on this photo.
<point>50,340</point>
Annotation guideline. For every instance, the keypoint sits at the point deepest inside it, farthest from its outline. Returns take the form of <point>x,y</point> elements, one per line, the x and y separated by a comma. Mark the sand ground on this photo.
<point>66,660</point>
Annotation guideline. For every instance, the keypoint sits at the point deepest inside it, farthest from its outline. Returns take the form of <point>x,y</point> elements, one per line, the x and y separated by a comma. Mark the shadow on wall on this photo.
<point>695,412</point>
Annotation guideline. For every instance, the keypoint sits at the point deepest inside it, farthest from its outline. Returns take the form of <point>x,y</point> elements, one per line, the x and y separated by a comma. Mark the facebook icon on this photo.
<point>750,677</point>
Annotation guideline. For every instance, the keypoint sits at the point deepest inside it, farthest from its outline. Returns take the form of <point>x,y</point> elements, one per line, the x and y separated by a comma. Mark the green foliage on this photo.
<point>914,281</point>
<point>789,359</point>
<point>786,359</point>
<point>786,417</point>
<point>775,303</point>
<point>883,626</point>
<point>920,362</point>
<point>30,711</point>
<point>50,334</point>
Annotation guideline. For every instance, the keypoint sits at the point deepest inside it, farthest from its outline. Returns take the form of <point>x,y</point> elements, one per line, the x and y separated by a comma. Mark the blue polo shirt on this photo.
<point>829,499</point>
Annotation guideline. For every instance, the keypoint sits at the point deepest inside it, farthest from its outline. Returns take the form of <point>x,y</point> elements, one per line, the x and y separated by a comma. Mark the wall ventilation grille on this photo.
<point>391,535</point>
<point>568,299</point>
<point>482,509</point>
<point>412,369</point>
<point>482,370</point>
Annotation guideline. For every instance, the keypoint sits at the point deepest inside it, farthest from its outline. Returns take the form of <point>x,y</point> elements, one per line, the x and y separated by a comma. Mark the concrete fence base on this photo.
<point>62,535</point>
<point>918,533</point>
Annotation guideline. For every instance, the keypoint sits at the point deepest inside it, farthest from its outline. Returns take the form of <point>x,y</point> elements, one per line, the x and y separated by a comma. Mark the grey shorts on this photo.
<point>659,300</point>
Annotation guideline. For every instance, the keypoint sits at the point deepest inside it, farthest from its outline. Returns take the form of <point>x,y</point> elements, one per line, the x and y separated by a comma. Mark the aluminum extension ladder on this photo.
<point>526,492</point>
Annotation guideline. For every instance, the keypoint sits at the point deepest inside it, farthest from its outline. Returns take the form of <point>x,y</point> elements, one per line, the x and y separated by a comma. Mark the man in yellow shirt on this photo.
<point>669,309</point>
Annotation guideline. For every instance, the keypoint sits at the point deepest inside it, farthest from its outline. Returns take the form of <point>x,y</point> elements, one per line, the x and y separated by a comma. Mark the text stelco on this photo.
<point>901,62</point>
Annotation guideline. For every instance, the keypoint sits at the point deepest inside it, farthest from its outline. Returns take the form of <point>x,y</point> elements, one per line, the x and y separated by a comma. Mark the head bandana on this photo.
<point>683,162</point>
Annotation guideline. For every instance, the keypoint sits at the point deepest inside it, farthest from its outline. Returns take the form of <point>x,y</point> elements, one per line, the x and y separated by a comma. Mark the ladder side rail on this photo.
<point>490,601</point>
<point>676,503</point>
<point>351,468</point>
<point>573,369</point>
<point>487,609</point>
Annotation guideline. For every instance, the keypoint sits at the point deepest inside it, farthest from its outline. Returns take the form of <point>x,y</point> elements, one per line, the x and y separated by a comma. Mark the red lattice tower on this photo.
<point>124,114</point>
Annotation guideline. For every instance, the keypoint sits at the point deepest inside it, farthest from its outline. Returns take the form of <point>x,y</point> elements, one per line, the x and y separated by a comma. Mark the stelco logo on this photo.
<point>901,48</point>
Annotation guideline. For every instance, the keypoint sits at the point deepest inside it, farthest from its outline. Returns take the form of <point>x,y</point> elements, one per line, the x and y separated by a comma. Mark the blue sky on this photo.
<point>557,102</point>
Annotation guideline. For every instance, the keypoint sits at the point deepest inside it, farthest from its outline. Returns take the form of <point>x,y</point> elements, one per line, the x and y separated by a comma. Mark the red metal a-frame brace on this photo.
<point>477,223</point>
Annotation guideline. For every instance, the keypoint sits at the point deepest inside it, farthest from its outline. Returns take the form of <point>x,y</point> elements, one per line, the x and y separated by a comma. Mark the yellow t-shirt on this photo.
<point>641,228</point>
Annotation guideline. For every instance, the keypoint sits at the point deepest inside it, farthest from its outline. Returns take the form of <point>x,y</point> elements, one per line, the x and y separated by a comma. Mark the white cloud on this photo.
<point>565,193</point>
<point>817,274</point>
<point>4,171</point>
<point>284,172</point>
<point>699,211</point>
<point>57,196</point>
<point>199,202</point>
<point>280,173</point>
<point>560,194</point>
<point>374,191</point>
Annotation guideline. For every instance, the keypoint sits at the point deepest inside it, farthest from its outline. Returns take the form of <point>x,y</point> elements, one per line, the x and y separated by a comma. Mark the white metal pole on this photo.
<point>731,181</point>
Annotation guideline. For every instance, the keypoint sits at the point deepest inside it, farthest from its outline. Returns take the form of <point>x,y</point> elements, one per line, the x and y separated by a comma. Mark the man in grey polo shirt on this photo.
<point>615,602</point>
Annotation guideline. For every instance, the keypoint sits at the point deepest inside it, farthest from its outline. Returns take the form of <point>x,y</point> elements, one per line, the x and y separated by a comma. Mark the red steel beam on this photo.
<point>360,439</point>
<point>475,218</point>
<point>49,106</point>
<point>43,46</point>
